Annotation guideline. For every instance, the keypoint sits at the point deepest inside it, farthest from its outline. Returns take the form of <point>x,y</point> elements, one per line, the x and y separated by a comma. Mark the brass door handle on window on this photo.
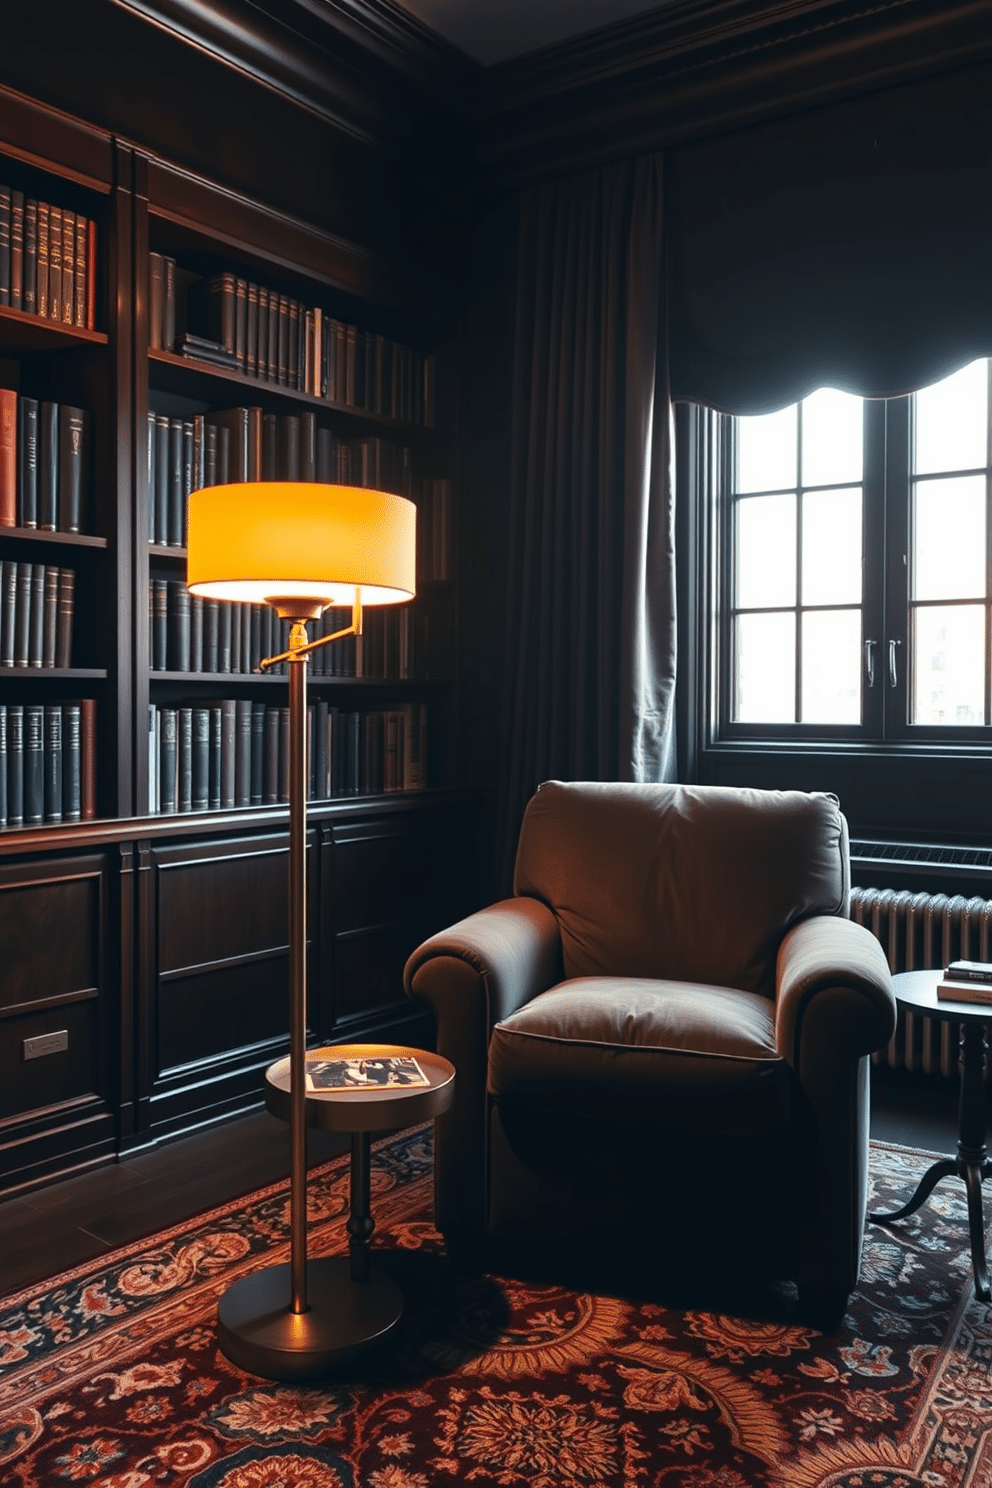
<point>893,674</point>
<point>870,662</point>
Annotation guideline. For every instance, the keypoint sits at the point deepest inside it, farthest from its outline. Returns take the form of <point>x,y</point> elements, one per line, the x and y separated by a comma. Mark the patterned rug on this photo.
<point>110,1374</point>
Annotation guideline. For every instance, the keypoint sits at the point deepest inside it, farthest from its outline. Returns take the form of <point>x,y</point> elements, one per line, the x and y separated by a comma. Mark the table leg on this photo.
<point>360,1221</point>
<point>972,1163</point>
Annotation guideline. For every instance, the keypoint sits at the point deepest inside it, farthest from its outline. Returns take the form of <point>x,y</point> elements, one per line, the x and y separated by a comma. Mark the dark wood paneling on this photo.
<point>33,1084</point>
<point>229,1007</point>
<point>50,931</point>
<point>221,903</point>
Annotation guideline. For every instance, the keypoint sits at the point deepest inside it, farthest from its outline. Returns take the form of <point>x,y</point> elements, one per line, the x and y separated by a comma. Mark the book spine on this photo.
<point>50,615</point>
<point>170,760</point>
<point>251,331</point>
<point>53,762</point>
<point>36,617</point>
<point>48,466</point>
<point>242,753</point>
<point>241,320</point>
<point>4,245</point>
<point>8,610</point>
<point>257,753</point>
<point>174,499</point>
<point>34,764</point>
<point>271,786</point>
<point>15,765</point>
<point>196,633</point>
<point>68,293</point>
<point>224,325</point>
<point>64,617</point>
<point>30,291</point>
<point>159,620</point>
<point>17,250</point>
<point>72,759</point>
<point>224,632</point>
<point>161,480</point>
<point>211,634</point>
<point>54,263</point>
<point>168,331</point>
<point>22,620</point>
<point>216,744</point>
<point>79,285</point>
<point>3,766</point>
<point>42,269</point>
<point>228,752</point>
<point>200,759</point>
<point>8,457</point>
<point>27,463</point>
<point>155,287</point>
<point>91,244</point>
<point>177,625</point>
<point>72,461</point>
<point>262,344</point>
<point>184,758</point>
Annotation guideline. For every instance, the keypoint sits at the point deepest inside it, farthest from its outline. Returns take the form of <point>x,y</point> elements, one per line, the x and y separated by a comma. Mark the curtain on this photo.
<point>590,663</point>
<point>850,246</point>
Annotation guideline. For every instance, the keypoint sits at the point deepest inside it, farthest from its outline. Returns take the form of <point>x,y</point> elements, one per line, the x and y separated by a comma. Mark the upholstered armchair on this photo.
<point>665,1034</point>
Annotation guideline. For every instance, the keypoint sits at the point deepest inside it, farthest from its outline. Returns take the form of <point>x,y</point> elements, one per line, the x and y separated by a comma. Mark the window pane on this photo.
<point>948,684</point>
<point>833,438</point>
<point>832,547</point>
<point>831,666</point>
<point>766,551</point>
<point>766,669</point>
<point>950,422</point>
<point>766,451</point>
<point>949,539</point>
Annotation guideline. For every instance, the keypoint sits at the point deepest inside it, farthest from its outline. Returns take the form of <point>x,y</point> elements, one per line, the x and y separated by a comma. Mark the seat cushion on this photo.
<point>673,1054</point>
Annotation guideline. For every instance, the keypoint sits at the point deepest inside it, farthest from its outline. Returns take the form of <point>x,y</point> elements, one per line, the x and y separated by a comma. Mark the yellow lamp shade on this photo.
<point>260,539</point>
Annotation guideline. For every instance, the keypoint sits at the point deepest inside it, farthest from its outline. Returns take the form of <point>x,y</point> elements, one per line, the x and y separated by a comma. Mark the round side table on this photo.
<point>916,991</point>
<point>355,1308</point>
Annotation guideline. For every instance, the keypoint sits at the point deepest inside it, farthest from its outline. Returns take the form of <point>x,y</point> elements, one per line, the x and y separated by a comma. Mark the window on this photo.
<point>854,567</point>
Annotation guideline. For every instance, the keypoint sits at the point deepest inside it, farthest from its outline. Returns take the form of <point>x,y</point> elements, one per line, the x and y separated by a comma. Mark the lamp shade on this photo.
<point>260,539</point>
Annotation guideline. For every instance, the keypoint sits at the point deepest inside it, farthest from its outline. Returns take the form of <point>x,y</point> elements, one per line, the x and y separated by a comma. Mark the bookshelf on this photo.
<point>148,935</point>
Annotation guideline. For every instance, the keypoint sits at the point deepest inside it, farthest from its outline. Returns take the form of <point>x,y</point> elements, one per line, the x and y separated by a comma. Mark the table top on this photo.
<point>917,990</point>
<point>371,1108</point>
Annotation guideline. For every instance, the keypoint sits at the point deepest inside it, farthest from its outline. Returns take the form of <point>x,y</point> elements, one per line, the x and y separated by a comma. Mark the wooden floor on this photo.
<point>53,1228</point>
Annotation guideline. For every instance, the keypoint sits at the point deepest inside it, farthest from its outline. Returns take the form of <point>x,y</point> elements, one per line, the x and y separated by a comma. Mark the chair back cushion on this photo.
<point>691,883</point>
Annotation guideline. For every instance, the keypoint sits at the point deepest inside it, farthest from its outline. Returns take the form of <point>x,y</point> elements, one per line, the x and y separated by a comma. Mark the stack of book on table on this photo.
<point>966,981</point>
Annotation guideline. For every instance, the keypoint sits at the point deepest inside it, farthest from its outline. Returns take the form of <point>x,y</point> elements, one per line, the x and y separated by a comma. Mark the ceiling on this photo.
<point>496,30</point>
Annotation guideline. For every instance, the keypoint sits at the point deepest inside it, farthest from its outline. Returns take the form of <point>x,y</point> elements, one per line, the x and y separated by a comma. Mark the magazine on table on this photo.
<point>388,1072</point>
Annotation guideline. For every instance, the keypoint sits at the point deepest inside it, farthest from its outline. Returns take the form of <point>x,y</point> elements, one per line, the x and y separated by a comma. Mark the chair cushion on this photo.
<point>688,883</point>
<point>673,1054</point>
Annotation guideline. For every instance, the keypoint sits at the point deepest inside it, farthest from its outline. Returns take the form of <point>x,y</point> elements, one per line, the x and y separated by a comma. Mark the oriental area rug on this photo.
<point>110,1374</point>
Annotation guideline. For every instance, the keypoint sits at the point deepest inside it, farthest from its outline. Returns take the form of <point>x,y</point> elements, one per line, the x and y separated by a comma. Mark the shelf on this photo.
<point>197,679</point>
<point>21,331</point>
<point>162,550</point>
<point>169,373</point>
<point>61,539</point>
<point>53,674</point>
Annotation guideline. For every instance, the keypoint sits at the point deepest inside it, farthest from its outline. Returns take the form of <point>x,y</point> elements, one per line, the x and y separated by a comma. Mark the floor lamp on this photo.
<point>299,547</point>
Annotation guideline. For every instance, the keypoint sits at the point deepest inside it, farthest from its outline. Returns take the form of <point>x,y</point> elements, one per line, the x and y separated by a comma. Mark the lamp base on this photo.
<point>346,1321</point>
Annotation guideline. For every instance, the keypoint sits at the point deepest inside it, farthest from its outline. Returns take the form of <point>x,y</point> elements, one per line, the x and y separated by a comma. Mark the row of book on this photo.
<point>233,322</point>
<point>47,763</point>
<point>232,753</point>
<point>47,260</point>
<point>37,601</point>
<point>44,463</point>
<point>188,633</point>
<point>239,444</point>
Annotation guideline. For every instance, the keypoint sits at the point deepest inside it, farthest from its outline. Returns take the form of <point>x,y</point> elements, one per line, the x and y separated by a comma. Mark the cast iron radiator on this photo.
<point>918,932</point>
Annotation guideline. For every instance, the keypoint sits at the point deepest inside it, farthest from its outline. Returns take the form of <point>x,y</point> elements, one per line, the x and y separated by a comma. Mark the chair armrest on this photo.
<point>834,997</point>
<point>472,975</point>
<point>508,952</point>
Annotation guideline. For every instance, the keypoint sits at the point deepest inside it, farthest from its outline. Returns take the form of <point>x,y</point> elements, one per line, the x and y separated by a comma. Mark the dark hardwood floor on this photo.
<point>70,1221</point>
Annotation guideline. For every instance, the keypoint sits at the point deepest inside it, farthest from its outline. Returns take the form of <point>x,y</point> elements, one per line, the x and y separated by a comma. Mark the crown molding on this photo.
<point>364,66</point>
<point>694,68</point>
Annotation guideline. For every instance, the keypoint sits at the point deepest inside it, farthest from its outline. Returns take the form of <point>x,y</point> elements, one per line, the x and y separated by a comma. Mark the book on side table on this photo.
<point>966,981</point>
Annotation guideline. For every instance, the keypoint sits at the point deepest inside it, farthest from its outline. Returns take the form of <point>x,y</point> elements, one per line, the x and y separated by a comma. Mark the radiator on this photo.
<point>919,932</point>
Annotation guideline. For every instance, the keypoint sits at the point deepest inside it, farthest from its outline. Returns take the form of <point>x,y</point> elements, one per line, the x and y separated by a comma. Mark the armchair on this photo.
<point>674,995</point>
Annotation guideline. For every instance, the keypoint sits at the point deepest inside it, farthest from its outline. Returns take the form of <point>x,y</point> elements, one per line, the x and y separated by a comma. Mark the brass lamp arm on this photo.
<point>355,629</point>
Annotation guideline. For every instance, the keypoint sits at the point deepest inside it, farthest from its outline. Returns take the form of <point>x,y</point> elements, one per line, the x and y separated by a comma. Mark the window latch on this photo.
<point>893,674</point>
<point>870,662</point>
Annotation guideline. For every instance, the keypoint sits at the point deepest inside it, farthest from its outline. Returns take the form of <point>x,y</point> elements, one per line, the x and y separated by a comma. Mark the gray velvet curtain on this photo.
<point>590,662</point>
